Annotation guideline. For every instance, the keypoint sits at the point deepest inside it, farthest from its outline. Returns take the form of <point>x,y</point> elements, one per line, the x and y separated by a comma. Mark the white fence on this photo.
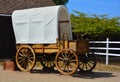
<point>106,48</point>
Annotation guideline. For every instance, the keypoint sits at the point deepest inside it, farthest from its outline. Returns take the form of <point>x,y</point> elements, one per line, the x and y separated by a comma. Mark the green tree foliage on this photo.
<point>60,2</point>
<point>95,26</point>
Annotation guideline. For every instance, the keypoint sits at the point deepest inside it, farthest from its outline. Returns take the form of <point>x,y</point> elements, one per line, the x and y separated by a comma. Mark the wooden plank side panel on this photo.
<point>46,50</point>
<point>82,46</point>
<point>72,45</point>
<point>44,46</point>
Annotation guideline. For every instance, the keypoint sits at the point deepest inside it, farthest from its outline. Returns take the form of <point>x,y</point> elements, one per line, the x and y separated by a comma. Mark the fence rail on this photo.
<point>106,48</point>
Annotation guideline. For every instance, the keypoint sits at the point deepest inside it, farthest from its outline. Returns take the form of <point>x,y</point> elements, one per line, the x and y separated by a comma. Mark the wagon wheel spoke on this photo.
<point>66,61</point>
<point>63,65</point>
<point>68,70</point>
<point>60,58</point>
<point>24,65</point>
<point>83,66</point>
<point>21,61</point>
<point>70,66</point>
<point>47,61</point>
<point>71,56</point>
<point>63,55</point>
<point>25,58</point>
<point>89,65</point>
<point>21,54</point>
<point>26,51</point>
<point>30,58</point>
<point>20,58</point>
<point>73,60</point>
<point>66,53</point>
<point>50,64</point>
<point>92,62</point>
<point>87,62</point>
<point>28,64</point>
<point>86,66</point>
<point>30,61</point>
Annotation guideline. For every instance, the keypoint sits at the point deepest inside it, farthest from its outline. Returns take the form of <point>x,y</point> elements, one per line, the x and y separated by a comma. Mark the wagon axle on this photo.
<point>66,61</point>
<point>25,57</point>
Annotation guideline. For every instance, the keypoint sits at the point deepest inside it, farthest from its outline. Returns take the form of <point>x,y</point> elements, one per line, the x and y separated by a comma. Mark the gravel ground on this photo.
<point>39,76</point>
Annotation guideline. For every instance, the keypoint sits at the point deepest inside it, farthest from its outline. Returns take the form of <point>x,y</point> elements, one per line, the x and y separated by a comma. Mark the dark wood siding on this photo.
<point>7,39</point>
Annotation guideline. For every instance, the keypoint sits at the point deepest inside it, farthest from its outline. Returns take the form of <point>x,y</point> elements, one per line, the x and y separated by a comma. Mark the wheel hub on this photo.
<point>25,57</point>
<point>85,59</point>
<point>66,61</point>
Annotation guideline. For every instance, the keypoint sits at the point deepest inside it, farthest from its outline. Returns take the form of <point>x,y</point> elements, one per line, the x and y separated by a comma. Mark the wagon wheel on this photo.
<point>87,62</point>
<point>66,61</point>
<point>25,58</point>
<point>47,61</point>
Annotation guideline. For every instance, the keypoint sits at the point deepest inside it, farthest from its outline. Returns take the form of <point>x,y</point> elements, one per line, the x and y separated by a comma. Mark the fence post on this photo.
<point>107,51</point>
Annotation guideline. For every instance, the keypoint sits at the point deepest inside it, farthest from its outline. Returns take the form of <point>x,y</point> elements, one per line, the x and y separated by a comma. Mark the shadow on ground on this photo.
<point>44,71</point>
<point>84,75</point>
<point>93,75</point>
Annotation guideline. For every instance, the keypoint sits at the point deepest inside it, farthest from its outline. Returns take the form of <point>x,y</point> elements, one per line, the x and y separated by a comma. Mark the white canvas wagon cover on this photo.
<point>41,25</point>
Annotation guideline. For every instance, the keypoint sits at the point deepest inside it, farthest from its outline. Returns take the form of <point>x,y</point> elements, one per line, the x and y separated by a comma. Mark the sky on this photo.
<point>98,7</point>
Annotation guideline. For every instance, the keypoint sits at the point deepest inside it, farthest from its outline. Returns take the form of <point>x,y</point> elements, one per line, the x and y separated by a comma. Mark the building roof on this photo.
<point>8,6</point>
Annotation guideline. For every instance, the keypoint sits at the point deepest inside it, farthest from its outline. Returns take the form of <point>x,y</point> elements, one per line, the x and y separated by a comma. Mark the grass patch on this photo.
<point>110,67</point>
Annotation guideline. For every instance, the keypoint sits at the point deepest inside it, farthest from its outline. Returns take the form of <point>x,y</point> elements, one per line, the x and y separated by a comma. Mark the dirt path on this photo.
<point>40,76</point>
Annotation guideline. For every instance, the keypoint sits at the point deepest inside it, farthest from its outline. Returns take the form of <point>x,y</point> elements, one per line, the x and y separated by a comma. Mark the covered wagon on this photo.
<point>46,33</point>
